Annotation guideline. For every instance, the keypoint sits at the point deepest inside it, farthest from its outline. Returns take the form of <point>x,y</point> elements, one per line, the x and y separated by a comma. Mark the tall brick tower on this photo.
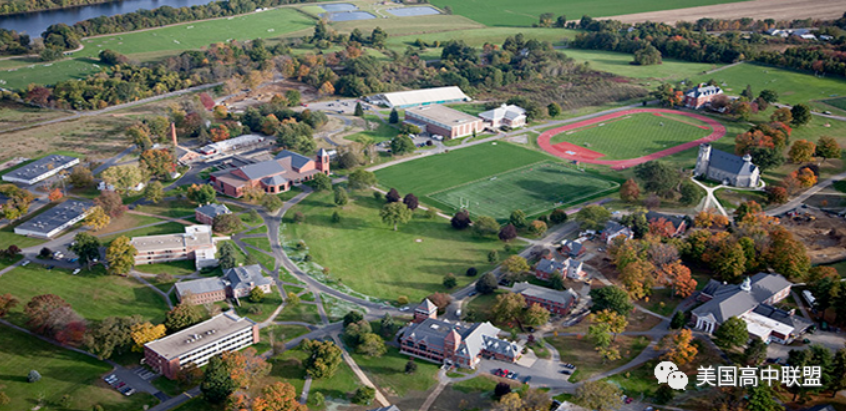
<point>323,161</point>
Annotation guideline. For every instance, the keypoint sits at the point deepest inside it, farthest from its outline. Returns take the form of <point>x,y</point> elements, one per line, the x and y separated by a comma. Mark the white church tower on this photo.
<point>702,160</point>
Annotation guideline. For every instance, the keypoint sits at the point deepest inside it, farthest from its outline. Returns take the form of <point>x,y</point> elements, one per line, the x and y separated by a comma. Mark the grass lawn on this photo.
<point>126,222</point>
<point>335,309</point>
<point>366,255</point>
<point>49,73</point>
<point>534,189</point>
<point>92,294</point>
<point>199,404</point>
<point>280,333</point>
<point>379,131</point>
<point>266,306</point>
<point>170,208</point>
<point>581,352</point>
<point>388,372</point>
<point>480,306</point>
<point>288,195</point>
<point>288,367</point>
<point>184,267</point>
<point>63,372</point>
<point>662,301</point>
<point>249,220</point>
<point>619,63</point>
<point>480,384</point>
<point>257,230</point>
<point>793,87</point>
<point>262,243</point>
<point>169,227</point>
<point>505,13</point>
<point>301,312</point>
<point>635,135</point>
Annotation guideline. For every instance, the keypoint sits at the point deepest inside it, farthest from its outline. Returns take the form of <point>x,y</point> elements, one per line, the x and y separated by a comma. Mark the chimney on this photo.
<point>173,133</point>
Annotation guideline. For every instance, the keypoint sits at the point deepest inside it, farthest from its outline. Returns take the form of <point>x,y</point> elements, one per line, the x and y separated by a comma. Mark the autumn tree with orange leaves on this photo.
<point>709,219</point>
<point>788,256</point>
<point>246,367</point>
<point>806,177</point>
<point>802,151</point>
<point>630,191</point>
<point>637,277</point>
<point>55,195</point>
<point>279,396</point>
<point>662,227</point>
<point>679,347</point>
<point>219,133</point>
<point>678,275</point>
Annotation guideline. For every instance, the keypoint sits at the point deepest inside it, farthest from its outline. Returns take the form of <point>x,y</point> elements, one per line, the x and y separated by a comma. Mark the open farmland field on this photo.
<point>620,64</point>
<point>524,13</point>
<point>48,73</point>
<point>793,87</point>
<point>533,189</point>
<point>15,115</point>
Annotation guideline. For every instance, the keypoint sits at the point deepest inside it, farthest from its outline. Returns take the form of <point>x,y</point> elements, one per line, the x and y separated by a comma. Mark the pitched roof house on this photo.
<point>726,168</point>
<point>272,176</point>
<point>679,222</point>
<point>547,268</point>
<point>573,248</point>
<point>206,214</point>
<point>700,96</point>
<point>613,230</point>
<point>234,283</point>
<point>556,302</point>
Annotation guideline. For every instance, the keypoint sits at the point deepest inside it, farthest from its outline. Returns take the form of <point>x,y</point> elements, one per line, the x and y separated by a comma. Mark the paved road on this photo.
<point>112,161</point>
<point>798,200</point>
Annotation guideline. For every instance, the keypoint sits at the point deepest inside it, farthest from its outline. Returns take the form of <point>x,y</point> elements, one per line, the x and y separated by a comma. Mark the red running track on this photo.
<point>587,156</point>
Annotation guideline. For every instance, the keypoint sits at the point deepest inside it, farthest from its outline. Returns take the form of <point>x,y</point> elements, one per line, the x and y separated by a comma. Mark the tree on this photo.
<point>7,302</point>
<point>502,389</point>
<point>279,396</point>
<point>461,220</point>
<point>123,178</point>
<point>558,216</point>
<point>55,195</point>
<point>183,316</point>
<point>805,177</point>
<point>485,226</point>
<point>201,193</point>
<point>788,256</point>
<point>410,200</point>
<point>143,333</point>
<point>487,284</point>
<point>110,336</point>
<point>611,298</point>
<point>352,317</point>
<point>538,228</point>
<point>630,191</point>
<point>359,111</point>
<point>801,115</point>
<point>598,395</point>
<point>801,151</point>
<point>450,281</point>
<point>535,316</point>
<point>323,358</point>
<point>678,347</point>
<point>154,192</point>
<point>756,352</point>
<point>364,395</point>
<point>658,177</point>
<point>158,162</point>
<point>732,333</point>
<point>395,214</point>
<point>321,182</point>
<point>593,217</point>
<point>111,203</point>
<point>493,255</point>
<point>81,177</point>
<point>508,309</point>
<point>777,194</point>
<point>679,276</point>
<point>515,265</point>
<point>690,193</point>
<point>217,382</point>
<point>271,204</point>
<point>393,196</point>
<point>677,321</point>
<point>361,179</point>
<point>647,56</point>
<point>763,398</point>
<point>227,223</point>
<point>256,295</point>
<point>441,300</point>
<point>827,147</point>
<point>615,322</point>
<point>86,247</point>
<point>371,345</point>
<point>518,219</point>
<point>341,197</point>
<point>33,376</point>
<point>120,255</point>
<point>393,118</point>
<point>402,144</point>
<point>637,278</point>
<point>228,255</point>
<point>782,115</point>
<point>410,366</point>
<point>770,96</point>
<point>508,232</point>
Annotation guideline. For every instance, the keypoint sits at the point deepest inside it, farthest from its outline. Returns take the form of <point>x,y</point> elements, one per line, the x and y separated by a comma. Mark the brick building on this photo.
<point>556,302</point>
<point>273,176</point>
<point>700,96</point>
<point>234,283</point>
<point>443,121</point>
<point>206,214</point>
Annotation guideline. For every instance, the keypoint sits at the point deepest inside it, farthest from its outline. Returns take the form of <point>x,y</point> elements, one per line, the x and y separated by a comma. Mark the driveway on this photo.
<point>831,340</point>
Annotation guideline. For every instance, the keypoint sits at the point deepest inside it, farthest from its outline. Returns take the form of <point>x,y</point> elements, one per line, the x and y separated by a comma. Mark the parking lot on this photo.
<point>129,382</point>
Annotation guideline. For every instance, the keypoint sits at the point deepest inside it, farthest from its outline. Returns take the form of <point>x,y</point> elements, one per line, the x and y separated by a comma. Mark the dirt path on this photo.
<point>756,9</point>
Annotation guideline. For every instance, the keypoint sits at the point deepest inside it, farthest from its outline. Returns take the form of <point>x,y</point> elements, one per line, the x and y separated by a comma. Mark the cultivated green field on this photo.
<point>839,102</point>
<point>477,37</point>
<point>92,294</point>
<point>533,189</point>
<point>634,135</point>
<point>620,64</point>
<point>525,13</point>
<point>368,256</point>
<point>792,87</point>
<point>443,171</point>
<point>48,73</point>
<point>63,372</point>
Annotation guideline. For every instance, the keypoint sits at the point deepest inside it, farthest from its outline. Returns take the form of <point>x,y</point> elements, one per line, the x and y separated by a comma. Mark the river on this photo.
<point>35,23</point>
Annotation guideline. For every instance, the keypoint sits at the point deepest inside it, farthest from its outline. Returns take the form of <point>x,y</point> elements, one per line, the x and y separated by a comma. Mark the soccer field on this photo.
<point>534,189</point>
<point>635,135</point>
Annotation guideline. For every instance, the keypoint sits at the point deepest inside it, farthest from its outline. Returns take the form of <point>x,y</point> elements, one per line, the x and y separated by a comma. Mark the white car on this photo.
<point>25,263</point>
<point>75,272</point>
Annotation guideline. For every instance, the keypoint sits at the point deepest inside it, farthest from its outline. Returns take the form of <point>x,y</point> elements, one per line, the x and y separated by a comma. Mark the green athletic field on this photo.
<point>525,179</point>
<point>533,189</point>
<point>635,135</point>
<point>525,13</point>
<point>620,64</point>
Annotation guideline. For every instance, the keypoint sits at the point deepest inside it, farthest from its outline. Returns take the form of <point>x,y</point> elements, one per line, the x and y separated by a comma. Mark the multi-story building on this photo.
<point>556,302</point>
<point>462,345</point>
<point>40,169</point>
<point>234,283</point>
<point>444,121</point>
<point>195,345</point>
<point>505,115</point>
<point>272,176</point>
<point>197,243</point>
<point>206,214</point>
<point>613,230</point>
<point>547,268</point>
<point>701,96</point>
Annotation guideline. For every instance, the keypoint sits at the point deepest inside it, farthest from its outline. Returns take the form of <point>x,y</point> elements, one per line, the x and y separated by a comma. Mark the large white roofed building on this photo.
<point>422,97</point>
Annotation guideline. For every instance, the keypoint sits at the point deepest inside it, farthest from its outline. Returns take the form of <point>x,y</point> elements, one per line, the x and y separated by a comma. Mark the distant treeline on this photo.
<point>19,7</point>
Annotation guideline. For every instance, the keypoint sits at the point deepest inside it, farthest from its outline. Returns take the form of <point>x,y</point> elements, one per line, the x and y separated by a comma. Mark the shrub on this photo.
<point>363,395</point>
<point>410,366</point>
<point>378,196</point>
<point>164,278</point>
<point>472,271</point>
<point>402,300</point>
<point>299,217</point>
<point>256,295</point>
<point>33,376</point>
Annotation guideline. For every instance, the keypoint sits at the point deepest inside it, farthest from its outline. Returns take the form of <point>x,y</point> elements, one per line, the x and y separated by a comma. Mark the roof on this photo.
<point>798,323</point>
<point>388,408</point>
<point>433,332</point>
<point>200,286</point>
<point>194,236</point>
<point>56,217</point>
<point>232,143</point>
<point>41,166</point>
<point>263,169</point>
<point>700,91</point>
<point>297,160</point>
<point>426,306</point>
<point>274,181</point>
<point>212,210</point>
<point>423,96</point>
<point>560,297</point>
<point>549,266</point>
<point>245,277</point>
<point>731,163</point>
<point>574,246</point>
<point>440,114</point>
<point>322,153</point>
<point>210,331</point>
<point>730,300</point>
<point>504,111</point>
<point>675,219</point>
<point>613,227</point>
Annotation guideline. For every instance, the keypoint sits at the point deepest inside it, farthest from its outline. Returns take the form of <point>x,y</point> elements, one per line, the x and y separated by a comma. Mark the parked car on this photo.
<point>110,378</point>
<point>25,263</point>
<point>471,293</point>
<point>566,372</point>
<point>50,267</point>
<point>120,385</point>
<point>75,272</point>
<point>527,379</point>
<point>129,392</point>
<point>629,400</point>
